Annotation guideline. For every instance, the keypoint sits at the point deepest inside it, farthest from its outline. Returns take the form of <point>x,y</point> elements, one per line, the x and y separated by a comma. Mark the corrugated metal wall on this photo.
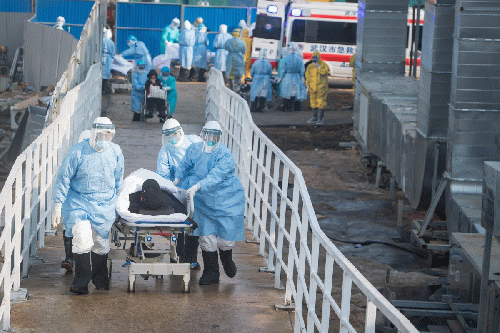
<point>12,31</point>
<point>23,6</point>
<point>47,52</point>
<point>75,13</point>
<point>147,20</point>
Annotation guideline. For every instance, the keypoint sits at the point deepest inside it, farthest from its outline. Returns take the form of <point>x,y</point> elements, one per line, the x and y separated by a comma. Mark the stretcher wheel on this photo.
<point>131,286</point>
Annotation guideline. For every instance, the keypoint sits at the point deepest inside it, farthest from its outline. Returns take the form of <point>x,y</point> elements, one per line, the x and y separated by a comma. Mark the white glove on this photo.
<point>176,181</point>
<point>303,80</point>
<point>192,190</point>
<point>278,80</point>
<point>167,88</point>
<point>56,214</point>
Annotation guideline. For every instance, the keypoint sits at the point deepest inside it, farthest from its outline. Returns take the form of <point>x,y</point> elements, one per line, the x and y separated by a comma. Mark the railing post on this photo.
<point>27,212</point>
<point>7,264</point>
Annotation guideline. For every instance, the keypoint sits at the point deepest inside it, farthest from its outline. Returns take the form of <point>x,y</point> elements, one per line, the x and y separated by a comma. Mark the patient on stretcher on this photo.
<point>153,200</point>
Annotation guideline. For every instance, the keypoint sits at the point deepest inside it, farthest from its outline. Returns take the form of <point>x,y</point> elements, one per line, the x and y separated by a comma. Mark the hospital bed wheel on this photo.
<point>131,286</point>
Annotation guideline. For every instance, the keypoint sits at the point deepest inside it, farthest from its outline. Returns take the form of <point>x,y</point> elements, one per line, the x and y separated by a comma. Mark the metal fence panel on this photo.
<point>280,214</point>
<point>11,31</point>
<point>15,6</point>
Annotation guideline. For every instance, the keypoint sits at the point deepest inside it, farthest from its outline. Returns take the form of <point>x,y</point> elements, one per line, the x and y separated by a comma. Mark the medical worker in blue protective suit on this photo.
<point>84,194</point>
<point>137,51</point>
<point>168,82</point>
<point>261,89</point>
<point>235,60</point>
<point>171,153</point>
<point>108,52</point>
<point>186,43</point>
<point>139,78</point>
<point>170,34</point>
<point>200,53</point>
<point>219,201</point>
<point>220,52</point>
<point>292,79</point>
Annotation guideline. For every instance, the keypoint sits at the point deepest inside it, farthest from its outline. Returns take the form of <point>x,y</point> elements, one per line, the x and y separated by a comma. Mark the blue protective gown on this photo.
<point>170,157</point>
<point>292,73</point>
<point>220,201</point>
<point>261,79</point>
<point>186,43</point>
<point>235,59</point>
<point>169,34</point>
<point>139,51</point>
<point>220,51</point>
<point>87,185</point>
<point>108,52</point>
<point>172,93</point>
<point>200,50</point>
<point>137,94</point>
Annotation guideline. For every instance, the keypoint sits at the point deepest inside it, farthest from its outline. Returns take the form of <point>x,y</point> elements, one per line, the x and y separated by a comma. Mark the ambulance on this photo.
<point>327,27</point>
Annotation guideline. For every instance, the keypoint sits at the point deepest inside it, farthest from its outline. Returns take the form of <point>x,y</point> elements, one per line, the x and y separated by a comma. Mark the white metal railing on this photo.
<point>26,198</point>
<point>280,214</point>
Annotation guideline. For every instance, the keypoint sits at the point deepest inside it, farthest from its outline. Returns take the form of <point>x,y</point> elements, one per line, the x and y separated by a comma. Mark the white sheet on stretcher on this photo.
<point>121,65</point>
<point>133,183</point>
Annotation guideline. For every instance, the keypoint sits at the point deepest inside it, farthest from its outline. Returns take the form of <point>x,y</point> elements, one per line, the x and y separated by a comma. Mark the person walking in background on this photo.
<point>168,82</point>
<point>248,53</point>
<point>200,53</point>
<point>261,89</point>
<point>220,52</point>
<point>292,79</point>
<point>186,43</point>
<point>170,34</point>
<point>235,60</point>
<point>317,83</point>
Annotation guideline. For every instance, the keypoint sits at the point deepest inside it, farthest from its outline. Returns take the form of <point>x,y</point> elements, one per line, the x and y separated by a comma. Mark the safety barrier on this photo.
<point>280,214</point>
<point>26,198</point>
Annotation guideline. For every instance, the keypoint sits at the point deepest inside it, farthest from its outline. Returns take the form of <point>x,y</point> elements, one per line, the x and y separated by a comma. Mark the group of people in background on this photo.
<point>233,58</point>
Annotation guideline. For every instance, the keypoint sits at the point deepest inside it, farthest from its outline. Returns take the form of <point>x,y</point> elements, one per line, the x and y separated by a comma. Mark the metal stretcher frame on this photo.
<point>149,262</point>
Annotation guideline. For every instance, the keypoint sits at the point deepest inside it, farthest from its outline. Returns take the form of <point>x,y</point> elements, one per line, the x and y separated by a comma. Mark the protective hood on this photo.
<point>317,54</point>
<point>101,134</point>
<point>223,28</point>
<point>172,133</point>
<point>187,25</point>
<point>175,23</point>
<point>244,32</point>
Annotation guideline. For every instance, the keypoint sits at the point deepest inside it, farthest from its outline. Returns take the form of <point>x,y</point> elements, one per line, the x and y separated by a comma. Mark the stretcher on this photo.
<point>132,234</point>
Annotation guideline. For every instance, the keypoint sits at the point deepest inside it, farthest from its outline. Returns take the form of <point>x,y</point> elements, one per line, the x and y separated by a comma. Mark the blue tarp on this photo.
<point>23,6</point>
<point>146,20</point>
<point>73,11</point>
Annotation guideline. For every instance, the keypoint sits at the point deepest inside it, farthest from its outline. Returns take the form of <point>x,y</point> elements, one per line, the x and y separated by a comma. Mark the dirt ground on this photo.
<point>336,174</point>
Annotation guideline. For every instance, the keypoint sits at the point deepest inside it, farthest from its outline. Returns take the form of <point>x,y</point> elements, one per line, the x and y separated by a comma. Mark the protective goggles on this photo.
<point>141,68</point>
<point>211,135</point>
<point>170,131</point>
<point>165,74</point>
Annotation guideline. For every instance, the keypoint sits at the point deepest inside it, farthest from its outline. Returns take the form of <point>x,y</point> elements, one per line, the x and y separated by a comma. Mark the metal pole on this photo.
<point>485,276</point>
<point>434,174</point>
<point>412,37</point>
<point>417,39</point>
<point>182,16</point>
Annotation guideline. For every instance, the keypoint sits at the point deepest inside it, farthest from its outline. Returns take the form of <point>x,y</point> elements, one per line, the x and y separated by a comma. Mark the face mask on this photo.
<point>211,143</point>
<point>315,59</point>
<point>174,141</point>
<point>101,145</point>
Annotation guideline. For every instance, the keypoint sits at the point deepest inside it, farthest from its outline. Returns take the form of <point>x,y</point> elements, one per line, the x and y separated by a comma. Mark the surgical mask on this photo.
<point>211,143</point>
<point>315,59</point>
<point>101,145</point>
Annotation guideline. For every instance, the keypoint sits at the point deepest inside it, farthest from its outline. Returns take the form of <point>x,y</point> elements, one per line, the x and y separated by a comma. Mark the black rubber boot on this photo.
<point>253,105</point>
<point>297,105</point>
<point>201,75</point>
<point>286,103</point>
<point>210,268</point>
<point>191,251</point>
<point>137,117</point>
<point>100,277</point>
<point>83,274</point>
<point>67,263</point>
<point>192,71</point>
<point>262,104</point>
<point>226,258</point>
<point>314,118</point>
